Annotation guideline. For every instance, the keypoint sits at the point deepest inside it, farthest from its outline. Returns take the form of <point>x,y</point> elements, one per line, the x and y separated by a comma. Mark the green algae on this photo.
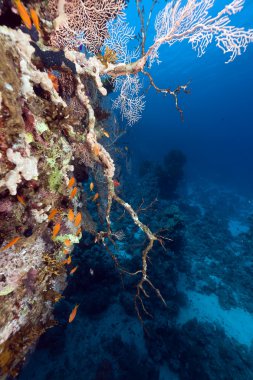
<point>8,289</point>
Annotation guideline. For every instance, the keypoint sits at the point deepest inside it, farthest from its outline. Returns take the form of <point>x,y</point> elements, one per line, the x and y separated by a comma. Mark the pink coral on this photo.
<point>5,205</point>
<point>83,22</point>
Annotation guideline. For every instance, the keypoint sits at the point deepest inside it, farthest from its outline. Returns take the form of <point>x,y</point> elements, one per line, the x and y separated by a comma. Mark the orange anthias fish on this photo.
<point>73,193</point>
<point>78,231</point>
<point>67,242</point>
<point>35,19</point>
<point>21,200</point>
<point>96,150</point>
<point>71,215</point>
<point>11,243</point>
<point>23,14</point>
<point>66,251</point>
<point>67,261</point>
<point>73,314</point>
<point>54,80</point>
<point>106,134</point>
<point>116,183</point>
<point>96,196</point>
<point>91,186</point>
<point>73,270</point>
<point>78,219</point>
<point>56,230</point>
<point>71,182</point>
<point>52,214</point>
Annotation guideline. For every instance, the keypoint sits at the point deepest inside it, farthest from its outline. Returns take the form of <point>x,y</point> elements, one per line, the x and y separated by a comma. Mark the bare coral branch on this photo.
<point>144,28</point>
<point>173,93</point>
<point>144,279</point>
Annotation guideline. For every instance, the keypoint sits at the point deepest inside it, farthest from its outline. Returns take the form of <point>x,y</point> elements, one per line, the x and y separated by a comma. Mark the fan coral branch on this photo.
<point>83,22</point>
<point>129,102</point>
<point>192,22</point>
<point>176,23</point>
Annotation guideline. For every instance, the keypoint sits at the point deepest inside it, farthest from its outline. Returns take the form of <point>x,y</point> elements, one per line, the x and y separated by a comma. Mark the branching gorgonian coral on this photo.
<point>129,101</point>
<point>119,36</point>
<point>192,22</point>
<point>178,21</point>
<point>84,22</point>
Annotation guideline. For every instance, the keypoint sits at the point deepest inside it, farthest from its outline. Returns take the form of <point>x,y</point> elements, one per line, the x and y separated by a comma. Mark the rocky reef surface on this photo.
<point>35,167</point>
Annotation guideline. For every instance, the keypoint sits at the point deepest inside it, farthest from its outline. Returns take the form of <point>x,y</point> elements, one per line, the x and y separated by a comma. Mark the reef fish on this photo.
<point>71,182</point>
<point>73,314</point>
<point>35,19</point>
<point>91,186</point>
<point>73,193</point>
<point>11,243</point>
<point>106,134</point>
<point>52,214</point>
<point>54,81</point>
<point>21,200</point>
<point>78,219</point>
<point>71,215</point>
<point>73,270</point>
<point>56,230</point>
<point>67,242</point>
<point>23,14</point>
<point>116,183</point>
<point>67,261</point>
<point>96,150</point>
<point>95,197</point>
<point>78,231</point>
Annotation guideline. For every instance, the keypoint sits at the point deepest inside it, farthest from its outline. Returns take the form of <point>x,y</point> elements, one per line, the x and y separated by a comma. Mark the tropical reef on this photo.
<point>61,195</point>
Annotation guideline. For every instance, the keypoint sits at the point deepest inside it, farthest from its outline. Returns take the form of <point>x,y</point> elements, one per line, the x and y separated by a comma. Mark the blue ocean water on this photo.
<point>205,207</point>
<point>217,130</point>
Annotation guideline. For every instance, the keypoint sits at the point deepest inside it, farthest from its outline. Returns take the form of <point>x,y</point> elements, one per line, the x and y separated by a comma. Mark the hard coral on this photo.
<point>26,167</point>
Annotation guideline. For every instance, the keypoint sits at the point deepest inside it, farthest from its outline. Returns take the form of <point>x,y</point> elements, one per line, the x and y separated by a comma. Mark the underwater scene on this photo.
<point>126,190</point>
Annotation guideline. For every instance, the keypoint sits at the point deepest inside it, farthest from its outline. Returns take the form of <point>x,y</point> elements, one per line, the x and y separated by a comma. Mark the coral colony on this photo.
<point>59,59</point>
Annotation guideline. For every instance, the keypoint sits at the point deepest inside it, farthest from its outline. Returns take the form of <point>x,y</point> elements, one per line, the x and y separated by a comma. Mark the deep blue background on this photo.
<point>217,134</point>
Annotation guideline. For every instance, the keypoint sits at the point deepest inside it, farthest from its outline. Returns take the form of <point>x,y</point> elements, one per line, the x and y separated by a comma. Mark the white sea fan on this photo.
<point>120,34</point>
<point>191,22</point>
<point>129,101</point>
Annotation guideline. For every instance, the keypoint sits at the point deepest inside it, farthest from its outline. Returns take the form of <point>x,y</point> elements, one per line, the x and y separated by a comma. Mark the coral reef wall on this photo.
<point>35,162</point>
<point>54,71</point>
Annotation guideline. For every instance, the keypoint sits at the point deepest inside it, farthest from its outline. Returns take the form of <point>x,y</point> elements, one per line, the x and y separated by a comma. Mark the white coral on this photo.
<point>120,34</point>
<point>29,73</point>
<point>129,101</point>
<point>192,22</point>
<point>26,167</point>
